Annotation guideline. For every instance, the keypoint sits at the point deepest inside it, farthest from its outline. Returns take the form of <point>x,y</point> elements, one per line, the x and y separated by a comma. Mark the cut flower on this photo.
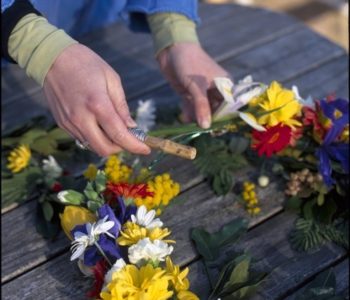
<point>273,140</point>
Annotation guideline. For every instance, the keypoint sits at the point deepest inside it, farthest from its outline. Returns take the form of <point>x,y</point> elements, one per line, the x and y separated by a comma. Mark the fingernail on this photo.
<point>131,123</point>
<point>205,124</point>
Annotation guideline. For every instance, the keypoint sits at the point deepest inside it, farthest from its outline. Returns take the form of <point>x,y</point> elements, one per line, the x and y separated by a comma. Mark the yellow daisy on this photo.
<point>19,158</point>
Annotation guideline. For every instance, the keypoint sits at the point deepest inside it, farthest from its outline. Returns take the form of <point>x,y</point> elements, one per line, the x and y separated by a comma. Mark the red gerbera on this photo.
<point>99,271</point>
<point>127,190</point>
<point>273,140</point>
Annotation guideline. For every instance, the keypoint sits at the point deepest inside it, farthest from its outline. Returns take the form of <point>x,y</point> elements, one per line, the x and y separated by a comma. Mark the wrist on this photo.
<point>170,28</point>
<point>35,44</point>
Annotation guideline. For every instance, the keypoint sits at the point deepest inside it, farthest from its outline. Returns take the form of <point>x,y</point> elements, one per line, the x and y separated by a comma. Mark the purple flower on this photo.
<point>122,212</point>
<point>338,112</point>
<point>94,241</point>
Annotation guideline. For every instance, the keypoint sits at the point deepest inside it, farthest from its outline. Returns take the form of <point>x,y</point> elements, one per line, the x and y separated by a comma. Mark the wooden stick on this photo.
<point>171,147</point>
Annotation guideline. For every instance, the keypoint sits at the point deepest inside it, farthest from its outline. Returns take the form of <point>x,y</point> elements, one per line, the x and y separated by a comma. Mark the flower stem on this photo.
<point>103,254</point>
<point>189,128</point>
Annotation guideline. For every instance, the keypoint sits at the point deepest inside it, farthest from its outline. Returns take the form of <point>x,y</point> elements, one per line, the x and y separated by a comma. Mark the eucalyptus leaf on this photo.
<point>238,144</point>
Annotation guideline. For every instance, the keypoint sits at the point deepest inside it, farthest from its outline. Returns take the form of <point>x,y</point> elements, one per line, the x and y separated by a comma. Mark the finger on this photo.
<point>62,119</point>
<point>187,114</point>
<point>115,128</point>
<point>117,96</point>
<point>201,104</point>
<point>97,139</point>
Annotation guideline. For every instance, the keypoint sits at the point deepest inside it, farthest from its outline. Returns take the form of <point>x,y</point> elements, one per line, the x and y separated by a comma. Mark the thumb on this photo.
<point>201,104</point>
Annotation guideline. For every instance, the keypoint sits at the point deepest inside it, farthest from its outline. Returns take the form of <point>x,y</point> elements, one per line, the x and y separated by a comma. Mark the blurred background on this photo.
<point>330,18</point>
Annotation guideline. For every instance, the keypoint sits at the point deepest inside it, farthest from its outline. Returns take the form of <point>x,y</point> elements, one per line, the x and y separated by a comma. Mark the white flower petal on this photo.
<point>78,252</point>
<point>224,86</point>
<point>145,115</point>
<point>245,117</point>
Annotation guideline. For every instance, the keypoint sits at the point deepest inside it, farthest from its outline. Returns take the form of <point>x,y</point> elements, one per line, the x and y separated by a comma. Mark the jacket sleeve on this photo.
<point>138,9</point>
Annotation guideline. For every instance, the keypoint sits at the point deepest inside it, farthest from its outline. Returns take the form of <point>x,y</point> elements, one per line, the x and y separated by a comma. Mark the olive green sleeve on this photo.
<point>170,28</point>
<point>35,44</point>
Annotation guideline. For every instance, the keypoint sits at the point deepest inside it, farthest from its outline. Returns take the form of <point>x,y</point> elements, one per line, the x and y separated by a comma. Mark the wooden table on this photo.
<point>245,41</point>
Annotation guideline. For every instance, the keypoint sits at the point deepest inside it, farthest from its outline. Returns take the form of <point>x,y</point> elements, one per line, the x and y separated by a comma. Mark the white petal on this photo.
<point>102,228</point>
<point>224,86</point>
<point>78,252</point>
<point>149,217</point>
<point>245,117</point>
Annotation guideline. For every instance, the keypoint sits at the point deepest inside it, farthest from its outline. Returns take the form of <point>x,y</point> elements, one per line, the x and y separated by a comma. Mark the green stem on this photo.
<point>190,128</point>
<point>102,253</point>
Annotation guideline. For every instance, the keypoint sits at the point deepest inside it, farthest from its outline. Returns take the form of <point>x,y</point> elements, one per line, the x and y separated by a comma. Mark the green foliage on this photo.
<point>236,279</point>
<point>208,245</point>
<point>20,186</point>
<point>47,228</point>
<point>217,161</point>
<point>323,287</point>
<point>309,234</point>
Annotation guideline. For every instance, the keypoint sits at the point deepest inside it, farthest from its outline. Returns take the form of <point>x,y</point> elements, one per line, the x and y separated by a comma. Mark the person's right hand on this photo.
<point>86,98</point>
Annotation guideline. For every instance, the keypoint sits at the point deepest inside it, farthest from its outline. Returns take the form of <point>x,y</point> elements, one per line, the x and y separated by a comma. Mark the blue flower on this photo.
<point>338,112</point>
<point>97,240</point>
<point>122,212</point>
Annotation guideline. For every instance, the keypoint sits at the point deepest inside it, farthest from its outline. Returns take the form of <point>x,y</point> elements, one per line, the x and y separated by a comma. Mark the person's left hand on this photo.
<point>190,71</point>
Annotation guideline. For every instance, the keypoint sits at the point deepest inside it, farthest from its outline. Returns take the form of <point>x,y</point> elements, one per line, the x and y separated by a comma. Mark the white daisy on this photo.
<point>83,240</point>
<point>145,250</point>
<point>51,168</point>
<point>146,219</point>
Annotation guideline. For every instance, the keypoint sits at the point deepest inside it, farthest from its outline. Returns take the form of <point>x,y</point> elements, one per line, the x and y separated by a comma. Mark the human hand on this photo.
<point>86,98</point>
<point>190,71</point>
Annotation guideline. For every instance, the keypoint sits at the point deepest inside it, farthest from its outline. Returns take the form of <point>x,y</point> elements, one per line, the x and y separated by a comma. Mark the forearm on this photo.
<point>171,28</point>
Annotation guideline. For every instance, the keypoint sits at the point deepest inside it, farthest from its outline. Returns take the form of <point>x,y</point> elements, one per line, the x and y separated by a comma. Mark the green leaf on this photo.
<point>47,229</point>
<point>326,212</point>
<point>20,186</point>
<point>90,193</point>
<point>293,203</point>
<point>93,205</point>
<point>30,136</point>
<point>44,145</point>
<point>238,144</point>
<point>308,209</point>
<point>208,245</point>
<point>60,136</point>
<point>70,197</point>
<point>320,199</point>
<point>100,181</point>
<point>47,210</point>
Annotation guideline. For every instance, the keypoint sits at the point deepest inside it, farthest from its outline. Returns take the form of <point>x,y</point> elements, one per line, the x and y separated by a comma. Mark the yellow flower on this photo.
<point>147,283</point>
<point>186,295</point>
<point>91,172</point>
<point>250,198</point>
<point>117,172</point>
<point>285,105</point>
<point>73,216</point>
<point>133,232</point>
<point>164,189</point>
<point>19,158</point>
<point>178,278</point>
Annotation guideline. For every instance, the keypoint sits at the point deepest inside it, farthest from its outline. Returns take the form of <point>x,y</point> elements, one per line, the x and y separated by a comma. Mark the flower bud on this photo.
<point>263,181</point>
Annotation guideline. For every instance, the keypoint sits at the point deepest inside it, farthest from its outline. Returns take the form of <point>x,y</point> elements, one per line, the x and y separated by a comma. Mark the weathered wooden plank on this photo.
<point>268,244</point>
<point>341,272</point>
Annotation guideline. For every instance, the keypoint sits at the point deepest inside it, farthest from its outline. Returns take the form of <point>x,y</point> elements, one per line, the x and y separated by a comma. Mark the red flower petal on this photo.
<point>99,270</point>
<point>273,140</point>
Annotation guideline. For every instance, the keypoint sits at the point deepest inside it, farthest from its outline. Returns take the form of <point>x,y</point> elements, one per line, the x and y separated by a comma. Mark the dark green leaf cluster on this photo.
<point>237,279</point>
<point>217,159</point>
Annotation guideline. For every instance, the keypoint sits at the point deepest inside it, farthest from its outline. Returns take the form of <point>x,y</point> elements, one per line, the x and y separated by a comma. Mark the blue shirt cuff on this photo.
<point>138,9</point>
